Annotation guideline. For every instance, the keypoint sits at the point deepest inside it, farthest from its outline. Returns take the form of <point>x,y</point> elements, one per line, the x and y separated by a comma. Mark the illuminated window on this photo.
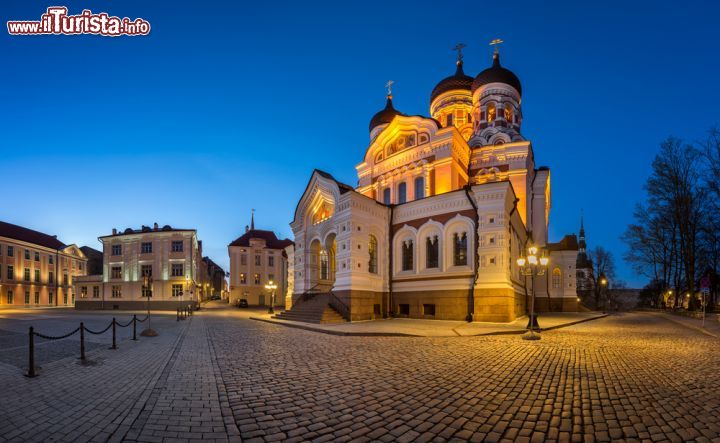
<point>402,192</point>
<point>508,113</point>
<point>419,188</point>
<point>10,297</point>
<point>146,270</point>
<point>556,278</point>
<point>324,265</point>
<point>257,279</point>
<point>432,252</point>
<point>491,112</point>
<point>322,213</point>
<point>83,291</point>
<point>460,249</point>
<point>407,255</point>
<point>177,290</point>
<point>372,251</point>
<point>449,120</point>
<point>386,196</point>
<point>243,279</point>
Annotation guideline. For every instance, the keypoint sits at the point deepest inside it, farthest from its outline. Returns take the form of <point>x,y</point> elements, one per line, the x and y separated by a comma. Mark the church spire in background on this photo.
<point>252,220</point>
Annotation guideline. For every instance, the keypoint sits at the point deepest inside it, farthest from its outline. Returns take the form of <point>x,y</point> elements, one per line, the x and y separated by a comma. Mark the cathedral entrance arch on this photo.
<point>327,262</point>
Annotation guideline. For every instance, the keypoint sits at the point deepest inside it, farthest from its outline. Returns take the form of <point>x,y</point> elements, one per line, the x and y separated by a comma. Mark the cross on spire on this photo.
<point>496,43</point>
<point>388,86</point>
<point>459,47</point>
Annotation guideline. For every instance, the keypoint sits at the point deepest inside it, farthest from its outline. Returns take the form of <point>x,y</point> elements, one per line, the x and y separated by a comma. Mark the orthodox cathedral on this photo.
<point>444,206</point>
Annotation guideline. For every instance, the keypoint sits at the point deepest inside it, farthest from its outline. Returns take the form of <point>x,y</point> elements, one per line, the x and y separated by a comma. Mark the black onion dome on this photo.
<point>497,74</point>
<point>456,82</point>
<point>385,116</point>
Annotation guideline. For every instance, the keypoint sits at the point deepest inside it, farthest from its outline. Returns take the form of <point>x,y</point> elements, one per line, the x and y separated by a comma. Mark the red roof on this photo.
<point>29,236</point>
<point>271,241</point>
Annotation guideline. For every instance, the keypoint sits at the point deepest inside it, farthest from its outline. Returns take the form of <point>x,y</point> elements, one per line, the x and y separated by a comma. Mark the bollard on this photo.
<point>113,328</point>
<point>31,353</point>
<point>134,329</point>
<point>178,314</point>
<point>82,341</point>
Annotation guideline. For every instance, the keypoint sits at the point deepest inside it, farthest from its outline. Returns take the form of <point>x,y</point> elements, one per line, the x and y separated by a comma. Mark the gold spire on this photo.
<point>388,86</point>
<point>496,43</point>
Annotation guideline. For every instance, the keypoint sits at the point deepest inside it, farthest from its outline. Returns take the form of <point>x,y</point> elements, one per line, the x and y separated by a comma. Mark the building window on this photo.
<point>37,276</point>
<point>65,279</point>
<point>491,112</point>
<point>372,251</point>
<point>177,270</point>
<point>146,248</point>
<point>27,297</point>
<point>386,196</point>
<point>177,290</point>
<point>271,278</point>
<point>257,279</point>
<point>83,291</point>
<point>145,270</point>
<point>243,279</point>
<point>116,250</point>
<point>508,113</point>
<point>116,291</point>
<point>460,249</point>
<point>432,258</point>
<point>81,266</point>
<point>243,259</point>
<point>177,246</point>
<point>404,309</point>
<point>402,192</point>
<point>449,120</point>
<point>96,291</point>
<point>11,251</point>
<point>50,297</point>
<point>51,259</point>
<point>26,274</point>
<point>271,260</point>
<point>65,298</point>
<point>10,272</point>
<point>324,265</point>
<point>37,297</point>
<point>116,272</point>
<point>429,309</point>
<point>407,255</point>
<point>37,256</point>
<point>51,277</point>
<point>27,254</point>
<point>556,278</point>
<point>257,260</point>
<point>10,297</point>
<point>419,188</point>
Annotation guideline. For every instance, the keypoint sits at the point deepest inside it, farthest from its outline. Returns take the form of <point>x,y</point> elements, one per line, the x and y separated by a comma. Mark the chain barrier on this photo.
<point>82,329</point>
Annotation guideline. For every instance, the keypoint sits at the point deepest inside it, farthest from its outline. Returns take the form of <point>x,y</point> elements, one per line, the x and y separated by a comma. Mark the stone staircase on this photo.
<point>315,310</point>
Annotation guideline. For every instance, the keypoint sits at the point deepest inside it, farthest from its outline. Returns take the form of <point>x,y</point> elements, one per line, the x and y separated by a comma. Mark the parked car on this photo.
<point>215,297</point>
<point>242,303</point>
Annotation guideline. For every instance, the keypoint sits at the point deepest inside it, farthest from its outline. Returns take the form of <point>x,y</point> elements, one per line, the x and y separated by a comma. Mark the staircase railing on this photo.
<point>337,304</point>
<point>307,295</point>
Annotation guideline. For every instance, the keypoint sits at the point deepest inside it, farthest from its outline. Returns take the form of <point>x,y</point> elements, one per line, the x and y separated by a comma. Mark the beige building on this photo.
<point>37,269</point>
<point>256,258</point>
<point>170,256</point>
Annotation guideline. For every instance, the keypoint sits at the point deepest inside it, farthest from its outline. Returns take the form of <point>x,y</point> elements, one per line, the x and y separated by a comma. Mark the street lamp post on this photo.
<point>147,287</point>
<point>603,287</point>
<point>532,265</point>
<point>271,286</point>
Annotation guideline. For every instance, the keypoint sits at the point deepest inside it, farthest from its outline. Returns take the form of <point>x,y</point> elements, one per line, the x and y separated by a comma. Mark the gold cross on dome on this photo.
<point>496,44</point>
<point>459,47</point>
<point>388,86</point>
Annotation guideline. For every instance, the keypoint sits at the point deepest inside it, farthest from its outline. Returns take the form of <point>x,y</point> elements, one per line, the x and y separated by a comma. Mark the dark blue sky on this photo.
<point>228,106</point>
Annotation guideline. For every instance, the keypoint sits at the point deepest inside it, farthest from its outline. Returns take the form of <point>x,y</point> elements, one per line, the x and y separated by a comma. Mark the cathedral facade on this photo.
<point>444,206</point>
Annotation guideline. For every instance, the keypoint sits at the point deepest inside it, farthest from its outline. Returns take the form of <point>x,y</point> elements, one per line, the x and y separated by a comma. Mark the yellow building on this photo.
<point>37,269</point>
<point>443,208</point>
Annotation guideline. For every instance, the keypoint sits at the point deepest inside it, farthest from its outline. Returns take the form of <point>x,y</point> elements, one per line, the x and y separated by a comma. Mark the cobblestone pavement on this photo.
<point>221,377</point>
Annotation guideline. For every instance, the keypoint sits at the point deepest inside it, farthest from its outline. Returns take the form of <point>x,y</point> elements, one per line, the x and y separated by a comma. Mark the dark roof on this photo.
<point>497,74</point>
<point>568,243</point>
<point>144,229</point>
<point>385,115</point>
<point>211,263</point>
<point>271,241</point>
<point>456,82</point>
<point>343,187</point>
<point>28,235</point>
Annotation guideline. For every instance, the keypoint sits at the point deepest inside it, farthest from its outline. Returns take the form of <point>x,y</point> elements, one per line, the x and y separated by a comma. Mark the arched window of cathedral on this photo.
<point>322,213</point>
<point>401,142</point>
<point>469,117</point>
<point>508,113</point>
<point>402,192</point>
<point>386,196</point>
<point>372,251</point>
<point>432,256</point>
<point>491,112</point>
<point>423,138</point>
<point>324,265</point>
<point>449,120</point>
<point>556,278</point>
<point>460,249</point>
<point>407,255</point>
<point>378,157</point>
<point>419,188</point>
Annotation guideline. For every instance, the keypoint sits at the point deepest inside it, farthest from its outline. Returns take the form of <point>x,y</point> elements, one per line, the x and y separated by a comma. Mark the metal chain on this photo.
<point>100,332</point>
<point>124,325</point>
<point>146,317</point>
<point>59,337</point>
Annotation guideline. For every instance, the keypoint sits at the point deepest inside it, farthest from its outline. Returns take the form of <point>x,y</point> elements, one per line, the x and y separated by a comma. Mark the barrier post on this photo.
<point>134,329</point>
<point>178,314</point>
<point>82,341</point>
<point>113,328</point>
<point>31,352</point>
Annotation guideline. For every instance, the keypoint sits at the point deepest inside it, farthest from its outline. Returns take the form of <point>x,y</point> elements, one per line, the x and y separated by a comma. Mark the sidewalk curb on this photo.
<point>307,327</point>
<point>678,322</point>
